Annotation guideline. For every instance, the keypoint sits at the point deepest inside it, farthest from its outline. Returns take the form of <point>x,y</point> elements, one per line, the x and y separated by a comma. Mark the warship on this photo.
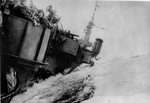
<point>35,47</point>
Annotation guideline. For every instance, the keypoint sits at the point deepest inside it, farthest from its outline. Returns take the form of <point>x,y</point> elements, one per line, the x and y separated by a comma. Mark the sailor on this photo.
<point>52,17</point>
<point>51,13</point>
<point>42,19</point>
<point>50,10</point>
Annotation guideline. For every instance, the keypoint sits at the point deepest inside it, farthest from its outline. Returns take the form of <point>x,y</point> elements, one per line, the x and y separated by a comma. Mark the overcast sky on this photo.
<point>123,25</point>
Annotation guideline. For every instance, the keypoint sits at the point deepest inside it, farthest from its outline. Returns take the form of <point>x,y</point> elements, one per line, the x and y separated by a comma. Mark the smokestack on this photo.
<point>97,47</point>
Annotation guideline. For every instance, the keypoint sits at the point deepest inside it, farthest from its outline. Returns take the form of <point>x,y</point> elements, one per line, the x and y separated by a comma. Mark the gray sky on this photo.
<point>126,24</point>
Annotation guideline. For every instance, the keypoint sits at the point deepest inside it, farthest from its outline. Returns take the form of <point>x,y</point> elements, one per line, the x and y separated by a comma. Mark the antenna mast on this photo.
<point>88,29</point>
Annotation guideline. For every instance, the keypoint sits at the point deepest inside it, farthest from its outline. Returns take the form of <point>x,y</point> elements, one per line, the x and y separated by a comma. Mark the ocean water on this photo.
<point>116,81</point>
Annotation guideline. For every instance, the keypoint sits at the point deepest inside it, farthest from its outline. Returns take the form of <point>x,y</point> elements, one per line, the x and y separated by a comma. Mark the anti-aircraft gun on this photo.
<point>30,51</point>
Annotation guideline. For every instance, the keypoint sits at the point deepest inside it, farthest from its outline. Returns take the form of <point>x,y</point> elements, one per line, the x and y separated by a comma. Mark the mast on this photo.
<point>88,29</point>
